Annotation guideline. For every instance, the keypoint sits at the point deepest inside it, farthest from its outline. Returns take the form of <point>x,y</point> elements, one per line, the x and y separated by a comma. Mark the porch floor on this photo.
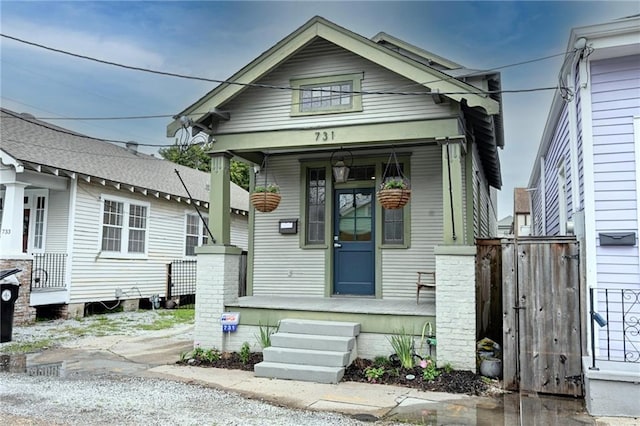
<point>427,306</point>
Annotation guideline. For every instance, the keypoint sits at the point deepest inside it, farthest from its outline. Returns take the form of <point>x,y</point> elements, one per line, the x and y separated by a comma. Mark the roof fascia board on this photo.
<point>547,134</point>
<point>347,40</point>
<point>8,160</point>
<point>415,50</point>
<point>617,34</point>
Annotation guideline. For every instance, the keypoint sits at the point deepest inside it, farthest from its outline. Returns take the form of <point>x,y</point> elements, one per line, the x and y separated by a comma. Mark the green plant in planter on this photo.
<point>272,188</point>
<point>394,184</point>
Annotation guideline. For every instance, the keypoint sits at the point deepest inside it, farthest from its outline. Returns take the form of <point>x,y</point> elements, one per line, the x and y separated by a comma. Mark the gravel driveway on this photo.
<point>78,398</point>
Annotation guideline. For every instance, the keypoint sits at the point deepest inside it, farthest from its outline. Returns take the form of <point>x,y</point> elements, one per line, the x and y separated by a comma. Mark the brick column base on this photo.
<point>456,306</point>
<point>22,312</point>
<point>217,281</point>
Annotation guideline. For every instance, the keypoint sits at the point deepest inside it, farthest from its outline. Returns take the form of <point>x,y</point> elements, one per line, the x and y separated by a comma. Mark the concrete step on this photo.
<point>305,373</point>
<point>306,357</point>
<point>314,342</point>
<point>329,328</point>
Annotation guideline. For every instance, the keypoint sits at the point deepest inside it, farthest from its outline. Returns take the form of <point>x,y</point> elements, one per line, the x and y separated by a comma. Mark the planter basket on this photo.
<point>265,201</point>
<point>393,198</point>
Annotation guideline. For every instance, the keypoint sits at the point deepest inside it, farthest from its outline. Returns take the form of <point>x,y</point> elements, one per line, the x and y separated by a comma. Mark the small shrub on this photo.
<point>381,361</point>
<point>429,372</point>
<point>264,339</point>
<point>447,368</point>
<point>402,343</point>
<point>245,353</point>
<point>211,355</point>
<point>374,374</point>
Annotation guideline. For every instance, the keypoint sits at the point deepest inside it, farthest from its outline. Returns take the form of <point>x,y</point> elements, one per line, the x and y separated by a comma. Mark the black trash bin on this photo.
<point>9,286</point>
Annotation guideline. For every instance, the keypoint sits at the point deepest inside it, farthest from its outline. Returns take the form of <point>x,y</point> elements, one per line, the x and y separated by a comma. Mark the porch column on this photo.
<point>456,306</point>
<point>12,218</point>
<point>217,279</point>
<point>218,270</point>
<point>220,198</point>
<point>452,192</point>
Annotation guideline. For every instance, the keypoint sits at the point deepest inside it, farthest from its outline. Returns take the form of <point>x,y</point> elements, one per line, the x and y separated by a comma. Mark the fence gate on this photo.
<point>541,321</point>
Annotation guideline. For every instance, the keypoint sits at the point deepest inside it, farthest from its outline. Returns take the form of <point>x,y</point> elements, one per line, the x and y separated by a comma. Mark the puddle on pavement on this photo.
<point>21,363</point>
<point>508,409</point>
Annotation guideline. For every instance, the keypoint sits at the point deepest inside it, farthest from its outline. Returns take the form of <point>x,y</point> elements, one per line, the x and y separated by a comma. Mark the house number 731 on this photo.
<point>325,136</point>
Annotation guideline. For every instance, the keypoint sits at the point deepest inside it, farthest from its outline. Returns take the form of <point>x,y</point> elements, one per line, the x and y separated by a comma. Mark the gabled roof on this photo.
<point>319,27</point>
<point>36,145</point>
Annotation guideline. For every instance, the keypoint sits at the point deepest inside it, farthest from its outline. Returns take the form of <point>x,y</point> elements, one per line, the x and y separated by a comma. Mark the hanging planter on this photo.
<point>395,191</point>
<point>265,198</point>
<point>393,197</point>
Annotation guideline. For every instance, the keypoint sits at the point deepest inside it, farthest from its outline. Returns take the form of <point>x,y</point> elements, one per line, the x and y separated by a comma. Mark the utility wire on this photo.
<point>269,86</point>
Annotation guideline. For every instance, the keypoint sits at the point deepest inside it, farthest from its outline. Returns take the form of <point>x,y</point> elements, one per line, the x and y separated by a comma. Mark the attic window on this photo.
<point>326,95</point>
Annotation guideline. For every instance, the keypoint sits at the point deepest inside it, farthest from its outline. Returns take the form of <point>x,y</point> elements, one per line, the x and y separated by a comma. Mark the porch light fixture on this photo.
<point>340,168</point>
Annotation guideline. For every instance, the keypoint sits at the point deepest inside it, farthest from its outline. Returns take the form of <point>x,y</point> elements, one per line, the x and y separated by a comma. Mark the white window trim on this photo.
<point>123,253</point>
<point>201,231</point>
<point>356,98</point>
<point>32,206</point>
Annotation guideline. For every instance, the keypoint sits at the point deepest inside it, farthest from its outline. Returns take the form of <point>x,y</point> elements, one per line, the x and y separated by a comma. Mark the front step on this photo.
<point>305,373</point>
<point>328,328</point>
<point>312,341</point>
<point>312,351</point>
<point>306,357</point>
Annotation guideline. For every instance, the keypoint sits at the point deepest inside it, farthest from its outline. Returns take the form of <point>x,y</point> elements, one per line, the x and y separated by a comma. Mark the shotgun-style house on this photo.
<point>586,180</point>
<point>321,101</point>
<point>100,222</point>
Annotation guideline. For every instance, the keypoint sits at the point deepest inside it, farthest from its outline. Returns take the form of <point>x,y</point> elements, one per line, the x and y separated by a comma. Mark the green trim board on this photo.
<point>369,323</point>
<point>338,136</point>
<point>320,27</point>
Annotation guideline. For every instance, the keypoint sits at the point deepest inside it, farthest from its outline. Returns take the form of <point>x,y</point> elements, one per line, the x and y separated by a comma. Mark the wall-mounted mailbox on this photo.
<point>288,226</point>
<point>617,238</point>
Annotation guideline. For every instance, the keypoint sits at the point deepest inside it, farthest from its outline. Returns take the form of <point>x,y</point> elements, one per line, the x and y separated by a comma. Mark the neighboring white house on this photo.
<point>587,177</point>
<point>521,212</point>
<point>101,221</point>
<point>331,250</point>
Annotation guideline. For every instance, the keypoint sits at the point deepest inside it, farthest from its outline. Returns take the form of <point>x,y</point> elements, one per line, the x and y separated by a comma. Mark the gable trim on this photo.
<point>319,27</point>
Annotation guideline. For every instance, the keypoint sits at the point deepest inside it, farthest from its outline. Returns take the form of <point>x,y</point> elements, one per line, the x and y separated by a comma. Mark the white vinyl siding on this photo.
<point>57,222</point>
<point>399,266</point>
<point>96,275</point>
<point>281,267</point>
<point>615,99</point>
<point>267,109</point>
<point>240,231</point>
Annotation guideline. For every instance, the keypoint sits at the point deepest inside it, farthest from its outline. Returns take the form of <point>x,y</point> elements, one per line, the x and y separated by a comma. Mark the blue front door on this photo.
<point>353,242</point>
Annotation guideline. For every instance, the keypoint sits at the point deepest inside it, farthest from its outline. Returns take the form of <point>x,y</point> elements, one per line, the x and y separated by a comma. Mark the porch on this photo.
<point>378,316</point>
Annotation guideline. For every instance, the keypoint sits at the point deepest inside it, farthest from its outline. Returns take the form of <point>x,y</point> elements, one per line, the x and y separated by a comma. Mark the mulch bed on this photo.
<point>456,381</point>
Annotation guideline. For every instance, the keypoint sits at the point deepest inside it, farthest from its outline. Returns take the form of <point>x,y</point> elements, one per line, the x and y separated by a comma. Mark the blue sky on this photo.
<point>215,39</point>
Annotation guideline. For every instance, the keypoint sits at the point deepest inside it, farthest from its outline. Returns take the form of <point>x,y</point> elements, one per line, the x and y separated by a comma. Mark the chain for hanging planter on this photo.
<point>266,197</point>
<point>395,188</point>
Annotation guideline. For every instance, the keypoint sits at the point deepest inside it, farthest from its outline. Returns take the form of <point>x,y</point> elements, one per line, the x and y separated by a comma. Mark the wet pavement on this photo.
<point>154,355</point>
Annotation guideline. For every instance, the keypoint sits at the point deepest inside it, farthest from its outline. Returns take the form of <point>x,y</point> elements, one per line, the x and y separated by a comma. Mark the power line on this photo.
<point>269,86</point>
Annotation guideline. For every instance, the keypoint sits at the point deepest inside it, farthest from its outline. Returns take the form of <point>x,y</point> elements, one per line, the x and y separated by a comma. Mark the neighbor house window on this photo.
<point>326,95</point>
<point>195,233</point>
<point>316,189</point>
<point>124,227</point>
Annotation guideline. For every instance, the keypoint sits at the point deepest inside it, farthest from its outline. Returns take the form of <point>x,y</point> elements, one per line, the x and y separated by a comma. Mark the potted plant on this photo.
<point>265,198</point>
<point>394,193</point>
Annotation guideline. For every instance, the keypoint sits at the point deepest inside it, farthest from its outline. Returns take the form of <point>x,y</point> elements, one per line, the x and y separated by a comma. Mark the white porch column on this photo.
<point>218,276</point>
<point>12,217</point>
<point>456,306</point>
